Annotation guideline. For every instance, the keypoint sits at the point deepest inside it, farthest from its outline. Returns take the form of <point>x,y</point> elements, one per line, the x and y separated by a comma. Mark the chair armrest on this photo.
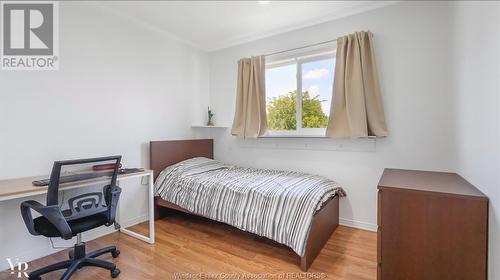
<point>52,213</point>
<point>111,195</point>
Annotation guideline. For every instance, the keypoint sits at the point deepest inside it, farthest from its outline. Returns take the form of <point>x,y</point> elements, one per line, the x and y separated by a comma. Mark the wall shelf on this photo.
<point>211,126</point>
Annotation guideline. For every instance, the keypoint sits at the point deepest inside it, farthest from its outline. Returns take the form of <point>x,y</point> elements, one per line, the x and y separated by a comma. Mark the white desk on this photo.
<point>23,187</point>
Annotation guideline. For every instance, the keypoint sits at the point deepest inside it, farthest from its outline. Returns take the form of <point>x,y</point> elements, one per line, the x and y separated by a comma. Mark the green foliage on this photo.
<point>282,112</point>
<point>312,115</point>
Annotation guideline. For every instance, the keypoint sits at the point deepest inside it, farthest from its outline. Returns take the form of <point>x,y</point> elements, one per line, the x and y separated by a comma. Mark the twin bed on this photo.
<point>296,209</point>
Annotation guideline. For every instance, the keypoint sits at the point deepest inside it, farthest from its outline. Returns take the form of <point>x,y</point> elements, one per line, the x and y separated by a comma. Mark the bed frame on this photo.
<point>166,153</point>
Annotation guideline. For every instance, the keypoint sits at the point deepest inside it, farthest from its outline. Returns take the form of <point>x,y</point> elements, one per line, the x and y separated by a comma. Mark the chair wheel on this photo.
<point>115,272</point>
<point>35,278</point>
<point>115,253</point>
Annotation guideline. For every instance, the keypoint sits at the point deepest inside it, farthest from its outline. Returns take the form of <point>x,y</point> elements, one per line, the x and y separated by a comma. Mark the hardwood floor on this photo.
<point>186,244</point>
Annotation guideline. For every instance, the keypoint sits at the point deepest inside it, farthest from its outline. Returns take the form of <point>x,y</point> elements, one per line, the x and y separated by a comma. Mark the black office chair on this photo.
<point>85,212</point>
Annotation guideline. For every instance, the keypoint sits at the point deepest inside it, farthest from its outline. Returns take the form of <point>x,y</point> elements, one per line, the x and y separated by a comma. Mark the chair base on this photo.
<point>79,259</point>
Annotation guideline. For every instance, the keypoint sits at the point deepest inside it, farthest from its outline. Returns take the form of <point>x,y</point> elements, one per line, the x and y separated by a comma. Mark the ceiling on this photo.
<point>212,25</point>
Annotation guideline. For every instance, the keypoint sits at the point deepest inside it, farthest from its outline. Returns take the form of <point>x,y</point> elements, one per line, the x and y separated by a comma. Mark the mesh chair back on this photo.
<point>92,171</point>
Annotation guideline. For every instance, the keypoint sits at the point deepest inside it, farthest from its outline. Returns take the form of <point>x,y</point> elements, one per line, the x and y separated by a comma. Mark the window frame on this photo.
<point>299,60</point>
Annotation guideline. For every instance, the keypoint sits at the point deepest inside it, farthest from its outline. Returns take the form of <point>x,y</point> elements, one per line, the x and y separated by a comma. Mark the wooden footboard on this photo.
<point>324,223</point>
<point>166,153</point>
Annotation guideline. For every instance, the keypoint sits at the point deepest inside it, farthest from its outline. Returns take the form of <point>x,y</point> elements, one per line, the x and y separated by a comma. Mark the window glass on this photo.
<point>281,97</point>
<point>317,83</point>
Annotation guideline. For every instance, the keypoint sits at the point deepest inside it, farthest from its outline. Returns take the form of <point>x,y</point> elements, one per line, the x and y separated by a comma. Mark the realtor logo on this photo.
<point>18,268</point>
<point>29,35</point>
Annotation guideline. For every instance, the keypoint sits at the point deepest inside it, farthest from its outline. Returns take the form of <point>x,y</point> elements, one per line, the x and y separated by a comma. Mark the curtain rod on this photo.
<point>303,47</point>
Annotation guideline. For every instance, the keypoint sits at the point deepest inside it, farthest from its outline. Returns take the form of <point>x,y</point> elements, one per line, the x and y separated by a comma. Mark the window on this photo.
<point>299,93</point>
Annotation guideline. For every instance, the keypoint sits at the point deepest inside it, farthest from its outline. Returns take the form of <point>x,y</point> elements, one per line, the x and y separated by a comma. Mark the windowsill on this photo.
<point>310,142</point>
<point>292,136</point>
<point>312,136</point>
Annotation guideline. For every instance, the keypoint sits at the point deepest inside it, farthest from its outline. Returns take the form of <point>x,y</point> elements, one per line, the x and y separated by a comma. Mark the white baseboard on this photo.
<point>135,221</point>
<point>37,253</point>
<point>30,255</point>
<point>358,224</point>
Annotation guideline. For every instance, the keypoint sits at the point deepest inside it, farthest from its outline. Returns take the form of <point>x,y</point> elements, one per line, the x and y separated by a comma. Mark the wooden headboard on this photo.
<point>166,153</point>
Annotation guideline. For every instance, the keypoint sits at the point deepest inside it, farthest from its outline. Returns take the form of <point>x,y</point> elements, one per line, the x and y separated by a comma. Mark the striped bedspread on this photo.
<point>276,204</point>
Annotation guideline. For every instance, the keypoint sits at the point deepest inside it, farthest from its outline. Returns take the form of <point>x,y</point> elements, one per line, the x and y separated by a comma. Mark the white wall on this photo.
<point>412,47</point>
<point>477,89</point>
<point>120,85</point>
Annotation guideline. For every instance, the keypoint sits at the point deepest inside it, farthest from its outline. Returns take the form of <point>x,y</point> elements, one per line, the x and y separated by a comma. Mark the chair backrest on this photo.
<point>78,170</point>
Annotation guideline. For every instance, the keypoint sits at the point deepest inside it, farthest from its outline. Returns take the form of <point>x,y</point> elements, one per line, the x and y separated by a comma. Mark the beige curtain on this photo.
<point>356,109</point>
<point>250,119</point>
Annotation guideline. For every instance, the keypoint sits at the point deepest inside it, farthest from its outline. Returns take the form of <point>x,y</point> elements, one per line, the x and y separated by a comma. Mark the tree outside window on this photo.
<point>303,112</point>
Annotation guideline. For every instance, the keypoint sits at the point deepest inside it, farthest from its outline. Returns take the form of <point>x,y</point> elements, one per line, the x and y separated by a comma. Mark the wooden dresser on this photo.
<point>431,226</point>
